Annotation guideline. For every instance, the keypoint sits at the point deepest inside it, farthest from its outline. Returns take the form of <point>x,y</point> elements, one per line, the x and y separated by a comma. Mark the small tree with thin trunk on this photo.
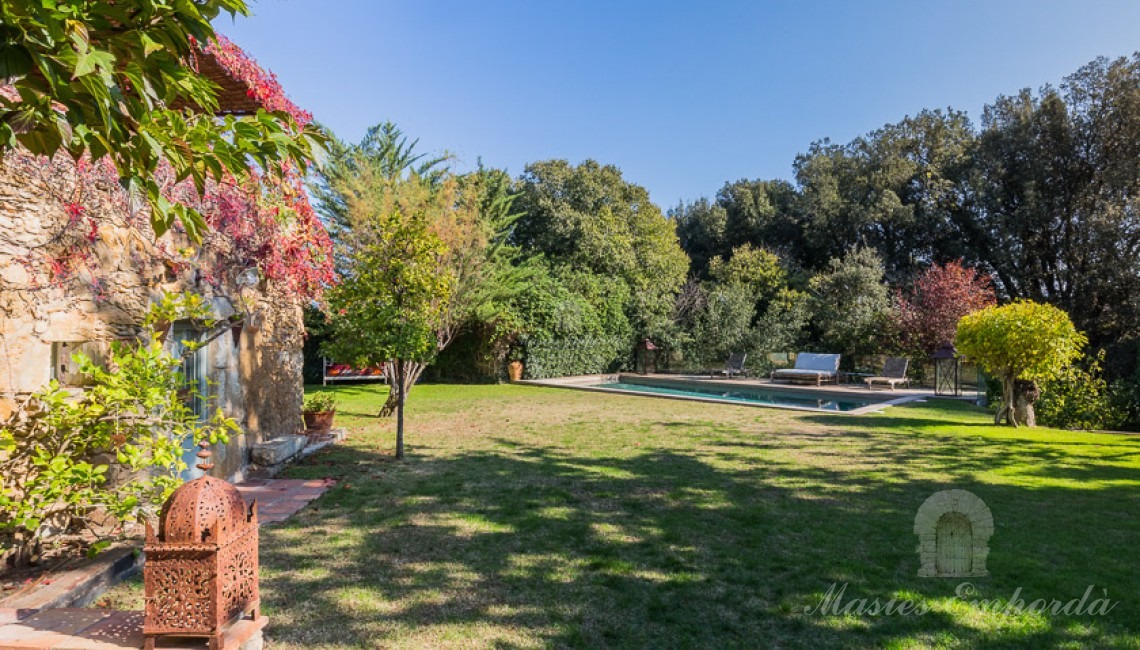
<point>1021,343</point>
<point>391,297</point>
<point>471,215</point>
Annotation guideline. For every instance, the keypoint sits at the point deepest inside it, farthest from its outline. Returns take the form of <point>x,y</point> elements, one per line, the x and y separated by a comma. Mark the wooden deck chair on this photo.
<point>894,372</point>
<point>735,365</point>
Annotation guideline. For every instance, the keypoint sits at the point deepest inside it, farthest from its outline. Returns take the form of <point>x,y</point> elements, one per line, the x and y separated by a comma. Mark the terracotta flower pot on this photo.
<point>515,370</point>
<point>319,420</point>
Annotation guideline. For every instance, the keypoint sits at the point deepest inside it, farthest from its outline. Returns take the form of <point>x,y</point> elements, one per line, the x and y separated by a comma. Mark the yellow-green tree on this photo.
<point>1021,343</point>
<point>467,218</point>
<point>390,301</point>
<point>758,269</point>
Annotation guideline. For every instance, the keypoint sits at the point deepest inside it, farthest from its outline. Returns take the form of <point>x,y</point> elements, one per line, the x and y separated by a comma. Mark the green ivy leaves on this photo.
<point>54,450</point>
<point>109,79</point>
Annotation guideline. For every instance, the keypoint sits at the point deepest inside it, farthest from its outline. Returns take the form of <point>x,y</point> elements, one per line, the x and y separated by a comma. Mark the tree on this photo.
<point>850,303</point>
<point>762,213</point>
<point>471,216</point>
<point>117,79</point>
<point>700,229</point>
<point>389,302</point>
<point>724,326</point>
<point>1057,181</point>
<point>899,190</point>
<point>928,315</point>
<point>1020,343</point>
<point>757,269</point>
<point>780,328</point>
<point>388,156</point>
<point>590,218</point>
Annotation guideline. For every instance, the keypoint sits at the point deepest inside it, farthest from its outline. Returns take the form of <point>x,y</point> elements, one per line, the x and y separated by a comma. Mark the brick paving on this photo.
<point>95,629</point>
<point>104,629</point>
<point>281,498</point>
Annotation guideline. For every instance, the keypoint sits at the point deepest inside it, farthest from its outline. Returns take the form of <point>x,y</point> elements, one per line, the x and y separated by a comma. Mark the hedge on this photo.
<point>581,356</point>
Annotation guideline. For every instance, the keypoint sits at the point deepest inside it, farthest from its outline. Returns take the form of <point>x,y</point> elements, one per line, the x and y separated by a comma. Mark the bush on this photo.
<point>322,402</point>
<point>1124,400</point>
<point>58,450</point>
<point>581,356</point>
<point>1078,398</point>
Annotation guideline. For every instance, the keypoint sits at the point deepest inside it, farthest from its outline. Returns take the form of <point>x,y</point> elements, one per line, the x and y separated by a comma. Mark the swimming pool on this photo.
<point>827,400</point>
<point>749,395</point>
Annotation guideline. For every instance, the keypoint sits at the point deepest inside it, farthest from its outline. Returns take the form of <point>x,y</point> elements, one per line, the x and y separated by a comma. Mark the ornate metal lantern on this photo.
<point>947,370</point>
<point>646,357</point>
<point>201,567</point>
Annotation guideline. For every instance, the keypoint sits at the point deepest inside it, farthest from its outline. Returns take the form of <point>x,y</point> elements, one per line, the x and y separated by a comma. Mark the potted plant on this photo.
<point>319,411</point>
<point>515,370</point>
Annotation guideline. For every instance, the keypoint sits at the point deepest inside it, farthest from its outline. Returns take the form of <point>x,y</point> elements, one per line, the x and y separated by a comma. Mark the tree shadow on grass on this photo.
<point>523,544</point>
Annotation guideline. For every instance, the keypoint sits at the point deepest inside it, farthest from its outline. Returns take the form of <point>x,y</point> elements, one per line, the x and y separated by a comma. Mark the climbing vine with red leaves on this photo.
<point>263,85</point>
<point>263,222</point>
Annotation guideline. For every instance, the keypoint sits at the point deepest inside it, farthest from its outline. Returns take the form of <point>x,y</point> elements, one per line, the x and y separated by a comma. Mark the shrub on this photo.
<point>1078,398</point>
<point>58,450</point>
<point>1124,400</point>
<point>320,403</point>
<point>581,356</point>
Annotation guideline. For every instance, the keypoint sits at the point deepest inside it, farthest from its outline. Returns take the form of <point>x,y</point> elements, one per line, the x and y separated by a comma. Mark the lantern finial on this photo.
<point>204,463</point>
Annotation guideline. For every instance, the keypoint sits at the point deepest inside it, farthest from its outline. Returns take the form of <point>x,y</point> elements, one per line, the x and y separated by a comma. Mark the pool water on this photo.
<point>746,395</point>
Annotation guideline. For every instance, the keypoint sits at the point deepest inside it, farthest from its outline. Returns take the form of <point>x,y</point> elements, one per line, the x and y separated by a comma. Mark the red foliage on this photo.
<point>928,316</point>
<point>262,84</point>
<point>267,223</point>
<point>264,222</point>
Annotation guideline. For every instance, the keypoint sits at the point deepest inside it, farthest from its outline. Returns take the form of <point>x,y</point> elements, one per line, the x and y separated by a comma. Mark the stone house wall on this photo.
<point>53,299</point>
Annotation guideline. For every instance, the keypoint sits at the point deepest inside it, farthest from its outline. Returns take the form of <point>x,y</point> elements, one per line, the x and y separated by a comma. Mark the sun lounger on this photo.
<point>894,372</point>
<point>811,368</point>
<point>735,365</point>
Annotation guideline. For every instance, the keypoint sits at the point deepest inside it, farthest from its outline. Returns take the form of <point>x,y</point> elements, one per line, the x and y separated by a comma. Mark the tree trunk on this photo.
<point>400,420</point>
<point>410,372</point>
<point>1025,393</point>
<point>1018,396</point>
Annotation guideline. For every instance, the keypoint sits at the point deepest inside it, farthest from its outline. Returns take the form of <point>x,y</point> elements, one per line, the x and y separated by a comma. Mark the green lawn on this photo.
<point>529,517</point>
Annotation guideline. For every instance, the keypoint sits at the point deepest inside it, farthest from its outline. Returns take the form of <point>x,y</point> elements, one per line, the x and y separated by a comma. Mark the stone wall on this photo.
<point>78,265</point>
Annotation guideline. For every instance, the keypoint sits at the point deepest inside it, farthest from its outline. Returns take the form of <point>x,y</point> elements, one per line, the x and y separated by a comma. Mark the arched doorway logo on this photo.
<point>954,529</point>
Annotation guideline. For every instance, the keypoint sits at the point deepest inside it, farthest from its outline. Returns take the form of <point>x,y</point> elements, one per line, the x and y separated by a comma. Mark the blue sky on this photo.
<point>681,96</point>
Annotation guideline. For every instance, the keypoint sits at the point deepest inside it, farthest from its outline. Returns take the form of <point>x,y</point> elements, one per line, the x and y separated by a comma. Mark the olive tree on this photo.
<point>1021,343</point>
